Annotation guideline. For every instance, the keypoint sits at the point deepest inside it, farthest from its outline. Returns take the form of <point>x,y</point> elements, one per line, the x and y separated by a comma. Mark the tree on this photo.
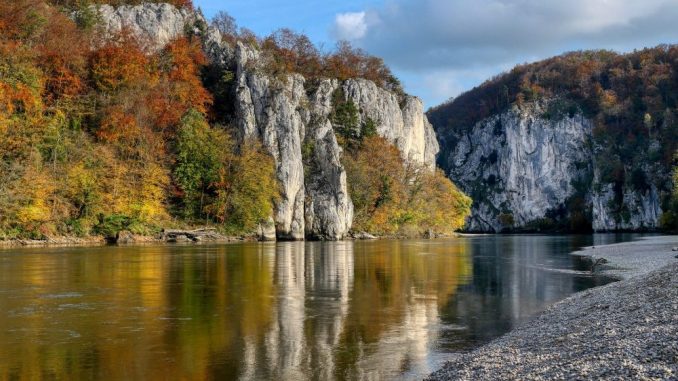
<point>225,24</point>
<point>180,88</point>
<point>120,63</point>
<point>199,161</point>
<point>246,190</point>
<point>392,196</point>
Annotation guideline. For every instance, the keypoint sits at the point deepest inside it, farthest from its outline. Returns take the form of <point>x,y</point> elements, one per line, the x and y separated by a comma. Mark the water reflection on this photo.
<point>285,311</point>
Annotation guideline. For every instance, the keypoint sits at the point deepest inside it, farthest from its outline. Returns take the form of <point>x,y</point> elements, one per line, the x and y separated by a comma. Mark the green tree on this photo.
<point>199,161</point>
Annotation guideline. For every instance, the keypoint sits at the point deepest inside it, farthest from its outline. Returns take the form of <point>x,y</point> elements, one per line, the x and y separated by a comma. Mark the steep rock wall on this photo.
<point>521,168</point>
<point>295,127</point>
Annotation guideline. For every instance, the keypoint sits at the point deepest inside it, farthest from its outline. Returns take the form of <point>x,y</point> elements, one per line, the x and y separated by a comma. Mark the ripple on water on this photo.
<point>63,295</point>
<point>75,306</point>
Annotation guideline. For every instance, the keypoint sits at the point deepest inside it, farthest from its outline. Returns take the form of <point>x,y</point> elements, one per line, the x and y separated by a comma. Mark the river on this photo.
<point>388,309</point>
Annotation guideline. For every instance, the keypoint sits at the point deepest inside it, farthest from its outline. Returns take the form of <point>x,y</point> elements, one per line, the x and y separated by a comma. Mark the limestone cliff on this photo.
<point>292,120</point>
<point>525,170</point>
<point>293,124</point>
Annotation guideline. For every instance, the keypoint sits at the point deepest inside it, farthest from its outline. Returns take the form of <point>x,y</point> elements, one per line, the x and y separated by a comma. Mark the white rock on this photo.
<point>532,163</point>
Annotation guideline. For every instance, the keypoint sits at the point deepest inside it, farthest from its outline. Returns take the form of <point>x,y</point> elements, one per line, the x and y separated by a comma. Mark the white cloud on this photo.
<point>421,37</point>
<point>350,26</point>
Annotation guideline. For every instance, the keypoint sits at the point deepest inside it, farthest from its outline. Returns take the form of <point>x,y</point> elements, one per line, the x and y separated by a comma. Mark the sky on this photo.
<point>441,48</point>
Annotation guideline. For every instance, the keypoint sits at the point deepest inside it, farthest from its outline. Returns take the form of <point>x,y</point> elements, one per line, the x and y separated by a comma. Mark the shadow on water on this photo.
<point>283,311</point>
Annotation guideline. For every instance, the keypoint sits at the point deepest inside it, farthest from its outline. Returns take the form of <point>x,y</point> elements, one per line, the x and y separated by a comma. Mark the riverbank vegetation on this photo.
<point>393,197</point>
<point>102,135</point>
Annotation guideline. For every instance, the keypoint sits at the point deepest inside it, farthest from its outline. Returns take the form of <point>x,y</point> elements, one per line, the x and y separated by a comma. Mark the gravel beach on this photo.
<point>627,330</point>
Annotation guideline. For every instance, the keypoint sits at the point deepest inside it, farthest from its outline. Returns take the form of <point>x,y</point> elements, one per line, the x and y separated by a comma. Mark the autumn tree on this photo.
<point>246,190</point>
<point>393,196</point>
<point>180,88</point>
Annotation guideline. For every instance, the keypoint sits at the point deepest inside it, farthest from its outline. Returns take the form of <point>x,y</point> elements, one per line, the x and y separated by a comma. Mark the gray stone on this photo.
<point>266,230</point>
<point>525,165</point>
<point>158,23</point>
<point>314,196</point>
<point>364,236</point>
<point>124,237</point>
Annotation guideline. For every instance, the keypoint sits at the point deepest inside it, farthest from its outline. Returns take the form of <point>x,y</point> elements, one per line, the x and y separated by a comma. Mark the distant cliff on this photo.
<point>580,142</point>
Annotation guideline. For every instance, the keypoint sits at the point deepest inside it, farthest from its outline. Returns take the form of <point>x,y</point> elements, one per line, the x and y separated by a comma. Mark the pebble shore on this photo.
<point>627,330</point>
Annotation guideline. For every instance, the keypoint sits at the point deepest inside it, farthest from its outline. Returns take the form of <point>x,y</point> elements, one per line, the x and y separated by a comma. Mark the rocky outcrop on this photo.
<point>292,120</point>
<point>405,126</point>
<point>640,210</point>
<point>524,171</point>
<point>157,24</point>
<point>295,126</point>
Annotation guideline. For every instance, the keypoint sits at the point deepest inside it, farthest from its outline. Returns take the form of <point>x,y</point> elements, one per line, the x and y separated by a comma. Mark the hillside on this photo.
<point>123,115</point>
<point>581,141</point>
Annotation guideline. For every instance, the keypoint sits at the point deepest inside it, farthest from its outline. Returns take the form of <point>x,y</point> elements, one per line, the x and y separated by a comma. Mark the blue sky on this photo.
<point>440,48</point>
<point>314,18</point>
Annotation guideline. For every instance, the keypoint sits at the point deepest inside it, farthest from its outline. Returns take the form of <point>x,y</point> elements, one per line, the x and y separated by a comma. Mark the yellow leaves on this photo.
<point>246,190</point>
<point>155,181</point>
<point>442,205</point>
<point>38,190</point>
<point>394,197</point>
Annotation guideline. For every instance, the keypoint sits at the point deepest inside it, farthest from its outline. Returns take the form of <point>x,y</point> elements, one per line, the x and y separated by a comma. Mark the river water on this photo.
<point>280,311</point>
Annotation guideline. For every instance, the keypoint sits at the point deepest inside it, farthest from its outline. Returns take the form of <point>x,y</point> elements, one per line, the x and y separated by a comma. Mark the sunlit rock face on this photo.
<point>404,125</point>
<point>157,24</point>
<point>292,121</point>
<point>521,168</point>
<point>295,126</point>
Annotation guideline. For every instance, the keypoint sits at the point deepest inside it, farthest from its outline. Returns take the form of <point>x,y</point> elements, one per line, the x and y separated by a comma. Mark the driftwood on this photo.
<point>599,261</point>
<point>206,234</point>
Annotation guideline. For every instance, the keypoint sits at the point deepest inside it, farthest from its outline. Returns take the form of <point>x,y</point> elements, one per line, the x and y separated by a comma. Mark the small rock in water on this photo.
<point>674,249</point>
<point>363,236</point>
<point>124,237</point>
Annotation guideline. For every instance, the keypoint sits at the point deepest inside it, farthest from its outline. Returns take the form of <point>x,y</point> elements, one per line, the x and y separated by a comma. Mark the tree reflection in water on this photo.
<point>284,311</point>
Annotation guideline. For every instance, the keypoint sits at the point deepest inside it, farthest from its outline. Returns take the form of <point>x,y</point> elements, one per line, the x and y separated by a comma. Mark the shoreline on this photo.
<point>622,260</point>
<point>139,240</point>
<point>96,241</point>
<point>623,330</point>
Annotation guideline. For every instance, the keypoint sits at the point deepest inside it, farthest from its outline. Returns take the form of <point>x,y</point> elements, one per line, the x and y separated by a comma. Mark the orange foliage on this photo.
<point>180,88</point>
<point>117,124</point>
<point>62,55</point>
<point>290,52</point>
<point>58,45</point>
<point>119,63</point>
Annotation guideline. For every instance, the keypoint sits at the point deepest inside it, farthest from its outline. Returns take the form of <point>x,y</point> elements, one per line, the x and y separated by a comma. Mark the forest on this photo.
<point>100,134</point>
<point>631,98</point>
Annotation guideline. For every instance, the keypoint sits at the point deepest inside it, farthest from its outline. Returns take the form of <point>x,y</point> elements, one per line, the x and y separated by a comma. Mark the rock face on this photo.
<point>642,209</point>
<point>158,23</point>
<point>292,120</point>
<point>522,169</point>
<point>407,126</point>
<point>295,127</point>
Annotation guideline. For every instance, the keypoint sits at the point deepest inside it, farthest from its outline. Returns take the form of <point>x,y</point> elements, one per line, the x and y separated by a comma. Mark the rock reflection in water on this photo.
<point>283,311</point>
